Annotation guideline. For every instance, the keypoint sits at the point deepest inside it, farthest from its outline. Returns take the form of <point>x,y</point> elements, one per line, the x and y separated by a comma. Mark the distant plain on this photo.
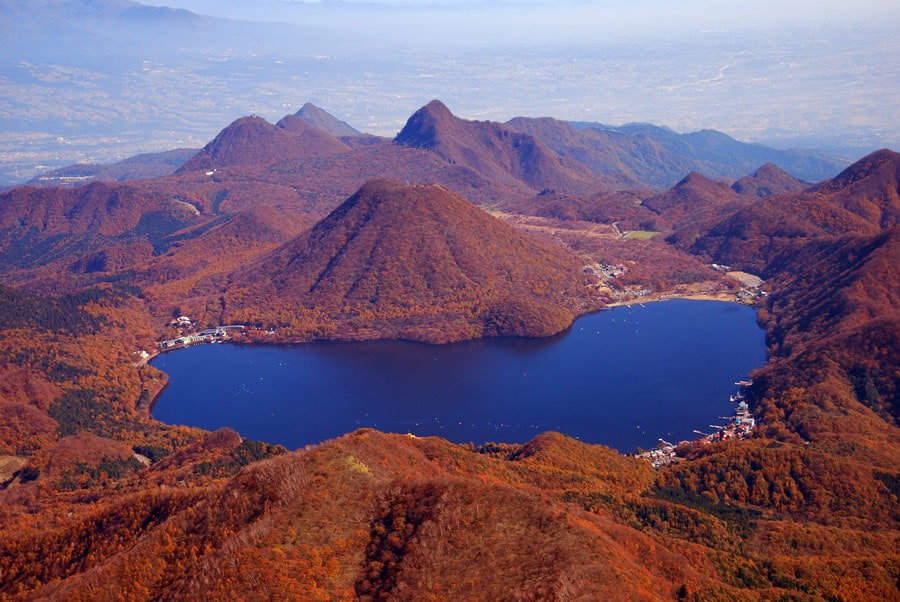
<point>102,97</point>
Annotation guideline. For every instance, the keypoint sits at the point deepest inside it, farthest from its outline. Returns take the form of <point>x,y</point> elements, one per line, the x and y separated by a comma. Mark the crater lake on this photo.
<point>623,377</point>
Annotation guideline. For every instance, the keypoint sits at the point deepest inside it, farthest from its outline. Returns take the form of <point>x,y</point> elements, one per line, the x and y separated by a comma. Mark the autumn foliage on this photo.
<point>415,262</point>
<point>290,231</point>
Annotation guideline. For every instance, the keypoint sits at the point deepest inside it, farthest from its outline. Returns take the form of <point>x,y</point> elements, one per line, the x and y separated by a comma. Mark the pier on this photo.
<point>740,426</point>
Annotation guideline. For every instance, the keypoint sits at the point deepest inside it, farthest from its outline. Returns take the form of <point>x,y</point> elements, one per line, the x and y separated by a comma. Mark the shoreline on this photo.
<point>725,297</point>
<point>625,450</point>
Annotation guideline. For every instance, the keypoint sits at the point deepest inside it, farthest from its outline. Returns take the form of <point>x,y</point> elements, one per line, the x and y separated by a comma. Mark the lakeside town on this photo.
<point>187,338</point>
<point>739,426</point>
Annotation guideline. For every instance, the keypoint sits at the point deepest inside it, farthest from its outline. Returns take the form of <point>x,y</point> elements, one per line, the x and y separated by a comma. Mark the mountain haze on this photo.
<point>146,166</point>
<point>646,149</point>
<point>326,122</point>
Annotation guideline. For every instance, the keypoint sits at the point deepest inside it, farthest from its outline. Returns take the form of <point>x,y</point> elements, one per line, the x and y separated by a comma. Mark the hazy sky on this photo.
<point>793,71</point>
<point>635,16</point>
<point>815,74</point>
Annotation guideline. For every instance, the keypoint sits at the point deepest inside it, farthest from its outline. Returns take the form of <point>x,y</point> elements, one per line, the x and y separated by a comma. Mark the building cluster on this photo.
<point>182,322</point>
<point>740,426</point>
<point>188,337</point>
<point>662,454</point>
<point>605,270</point>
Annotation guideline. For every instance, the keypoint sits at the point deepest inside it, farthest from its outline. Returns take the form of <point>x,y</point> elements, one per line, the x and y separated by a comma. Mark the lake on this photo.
<point>623,377</point>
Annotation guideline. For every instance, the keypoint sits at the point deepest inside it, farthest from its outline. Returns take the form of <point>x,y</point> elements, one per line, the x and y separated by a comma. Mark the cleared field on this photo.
<point>640,234</point>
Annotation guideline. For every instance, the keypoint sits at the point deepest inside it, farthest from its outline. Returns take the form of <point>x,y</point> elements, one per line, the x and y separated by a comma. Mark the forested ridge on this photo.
<point>394,256</point>
<point>98,501</point>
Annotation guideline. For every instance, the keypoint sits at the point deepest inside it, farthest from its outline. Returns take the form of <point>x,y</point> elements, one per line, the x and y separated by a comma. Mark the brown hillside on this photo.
<point>766,181</point>
<point>493,150</point>
<point>101,209</point>
<point>658,157</point>
<point>316,142</point>
<point>246,141</point>
<point>861,199</point>
<point>370,516</point>
<point>840,300</point>
<point>832,284</point>
<point>317,172</point>
<point>43,225</point>
<point>691,207</point>
<point>417,262</point>
<point>603,208</point>
<point>623,161</point>
<point>694,197</point>
<point>869,188</point>
<point>179,278</point>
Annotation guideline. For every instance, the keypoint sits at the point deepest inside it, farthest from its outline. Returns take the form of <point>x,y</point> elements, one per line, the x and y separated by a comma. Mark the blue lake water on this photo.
<point>623,377</point>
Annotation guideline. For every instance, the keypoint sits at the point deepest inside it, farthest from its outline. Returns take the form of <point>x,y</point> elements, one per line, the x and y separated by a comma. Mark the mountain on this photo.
<point>601,208</point>
<point>691,207</point>
<point>658,157</point>
<point>862,199</point>
<point>836,303</point>
<point>176,272</point>
<point>768,180</point>
<point>415,535</point>
<point>160,15</point>
<point>316,142</point>
<point>323,170</point>
<point>493,151</point>
<point>160,238</point>
<point>146,166</point>
<point>627,161</point>
<point>99,20</point>
<point>326,122</point>
<point>718,154</point>
<point>40,225</point>
<point>247,141</point>
<point>416,262</point>
<point>695,196</point>
<point>252,140</point>
<point>869,188</point>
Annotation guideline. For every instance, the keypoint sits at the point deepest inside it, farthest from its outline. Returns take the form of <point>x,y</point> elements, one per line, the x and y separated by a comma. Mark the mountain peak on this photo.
<point>423,129</point>
<point>694,178</point>
<point>879,165</point>
<point>247,140</point>
<point>697,182</point>
<point>422,263</point>
<point>769,179</point>
<point>494,150</point>
<point>693,196</point>
<point>436,107</point>
<point>870,188</point>
<point>325,121</point>
<point>252,140</point>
